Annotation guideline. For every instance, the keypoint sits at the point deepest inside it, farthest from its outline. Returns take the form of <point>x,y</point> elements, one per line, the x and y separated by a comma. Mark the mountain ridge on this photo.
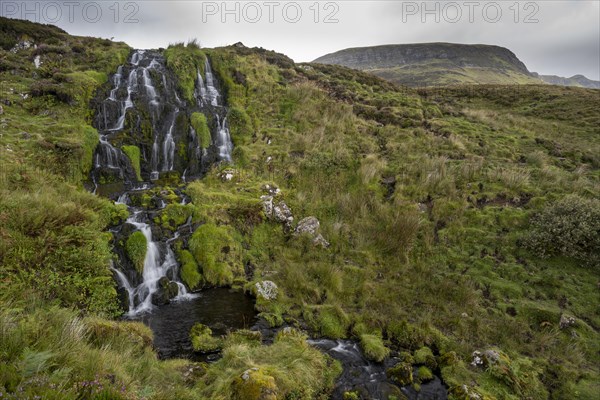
<point>445,64</point>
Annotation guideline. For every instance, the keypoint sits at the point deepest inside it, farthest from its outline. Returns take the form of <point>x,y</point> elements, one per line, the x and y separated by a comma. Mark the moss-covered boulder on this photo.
<point>174,215</point>
<point>425,356</point>
<point>133,153</point>
<point>255,384</point>
<point>190,274</point>
<point>136,247</point>
<point>424,374</point>
<point>200,125</point>
<point>218,254</point>
<point>401,374</point>
<point>203,340</point>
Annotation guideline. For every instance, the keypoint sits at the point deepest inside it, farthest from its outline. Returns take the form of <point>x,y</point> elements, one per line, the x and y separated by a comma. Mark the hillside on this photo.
<point>576,80</point>
<point>389,242</point>
<point>435,64</point>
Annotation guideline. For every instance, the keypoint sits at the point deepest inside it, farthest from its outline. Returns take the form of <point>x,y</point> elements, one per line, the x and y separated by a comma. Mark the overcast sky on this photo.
<point>550,37</point>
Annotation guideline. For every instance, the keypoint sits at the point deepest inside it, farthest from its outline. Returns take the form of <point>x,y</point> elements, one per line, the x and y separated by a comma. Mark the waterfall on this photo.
<point>116,83</point>
<point>169,146</point>
<point>212,95</point>
<point>154,270</point>
<point>223,140</point>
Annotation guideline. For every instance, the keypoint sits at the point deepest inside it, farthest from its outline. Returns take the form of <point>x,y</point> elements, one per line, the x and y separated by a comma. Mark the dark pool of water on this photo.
<point>220,309</point>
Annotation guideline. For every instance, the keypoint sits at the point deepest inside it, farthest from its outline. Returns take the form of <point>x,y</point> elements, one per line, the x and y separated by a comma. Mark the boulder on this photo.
<point>167,290</point>
<point>279,211</point>
<point>566,321</point>
<point>266,289</point>
<point>255,384</point>
<point>308,225</point>
<point>401,374</point>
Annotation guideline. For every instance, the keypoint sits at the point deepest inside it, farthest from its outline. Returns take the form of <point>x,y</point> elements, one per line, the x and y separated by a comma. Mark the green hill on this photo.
<point>435,64</point>
<point>459,220</point>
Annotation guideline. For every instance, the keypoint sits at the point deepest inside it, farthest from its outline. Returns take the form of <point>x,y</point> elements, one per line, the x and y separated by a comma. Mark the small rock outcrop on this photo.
<point>277,211</point>
<point>310,226</point>
<point>266,289</point>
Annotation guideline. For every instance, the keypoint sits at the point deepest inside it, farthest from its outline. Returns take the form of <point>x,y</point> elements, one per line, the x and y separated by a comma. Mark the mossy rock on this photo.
<point>425,356</point>
<point>218,254</point>
<point>200,125</point>
<point>351,396</point>
<point>136,247</point>
<point>448,359</point>
<point>254,384</point>
<point>373,347</point>
<point>406,357</point>
<point>424,374</point>
<point>190,274</point>
<point>401,374</point>
<point>133,153</point>
<point>203,340</point>
<point>174,215</point>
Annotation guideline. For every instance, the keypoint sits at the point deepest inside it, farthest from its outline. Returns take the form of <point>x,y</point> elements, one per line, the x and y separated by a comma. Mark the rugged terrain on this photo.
<point>449,233</point>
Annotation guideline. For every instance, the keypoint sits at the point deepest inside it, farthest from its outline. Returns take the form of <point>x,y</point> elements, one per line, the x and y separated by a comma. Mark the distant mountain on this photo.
<point>576,80</point>
<point>433,64</point>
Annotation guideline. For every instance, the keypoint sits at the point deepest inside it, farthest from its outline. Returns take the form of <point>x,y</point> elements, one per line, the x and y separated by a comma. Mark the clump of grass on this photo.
<point>200,125</point>
<point>133,153</point>
<point>373,347</point>
<point>136,247</point>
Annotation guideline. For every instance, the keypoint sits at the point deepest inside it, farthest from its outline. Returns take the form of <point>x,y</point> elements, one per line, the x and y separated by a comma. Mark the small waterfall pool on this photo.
<point>220,309</point>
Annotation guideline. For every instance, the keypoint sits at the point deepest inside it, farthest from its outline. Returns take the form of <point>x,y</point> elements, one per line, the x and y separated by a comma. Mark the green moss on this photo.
<point>218,254</point>
<point>133,153</point>
<point>189,270</point>
<point>203,340</point>
<point>185,61</point>
<point>136,247</point>
<point>373,347</point>
<point>424,374</point>
<point>200,125</point>
<point>401,374</point>
<point>174,215</point>
<point>254,384</point>
<point>425,356</point>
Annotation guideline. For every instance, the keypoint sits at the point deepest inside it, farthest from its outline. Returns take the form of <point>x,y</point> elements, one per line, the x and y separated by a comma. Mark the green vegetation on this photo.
<point>186,61</point>
<point>436,64</point>
<point>136,247</point>
<point>198,122</point>
<point>203,340</point>
<point>189,270</point>
<point>569,228</point>
<point>289,368</point>
<point>439,206</point>
<point>373,347</point>
<point>217,254</point>
<point>133,153</point>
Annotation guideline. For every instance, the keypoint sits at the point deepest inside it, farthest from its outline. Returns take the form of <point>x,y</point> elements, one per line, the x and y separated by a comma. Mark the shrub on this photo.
<point>567,228</point>
<point>136,247</point>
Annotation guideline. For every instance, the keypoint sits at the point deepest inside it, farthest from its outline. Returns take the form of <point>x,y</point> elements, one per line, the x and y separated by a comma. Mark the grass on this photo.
<point>133,153</point>
<point>136,247</point>
<point>428,199</point>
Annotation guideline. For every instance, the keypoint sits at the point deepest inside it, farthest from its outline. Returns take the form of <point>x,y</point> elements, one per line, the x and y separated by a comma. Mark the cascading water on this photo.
<point>156,267</point>
<point>169,147</point>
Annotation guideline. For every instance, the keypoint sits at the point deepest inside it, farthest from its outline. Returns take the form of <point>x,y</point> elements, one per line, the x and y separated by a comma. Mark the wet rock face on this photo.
<point>142,108</point>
